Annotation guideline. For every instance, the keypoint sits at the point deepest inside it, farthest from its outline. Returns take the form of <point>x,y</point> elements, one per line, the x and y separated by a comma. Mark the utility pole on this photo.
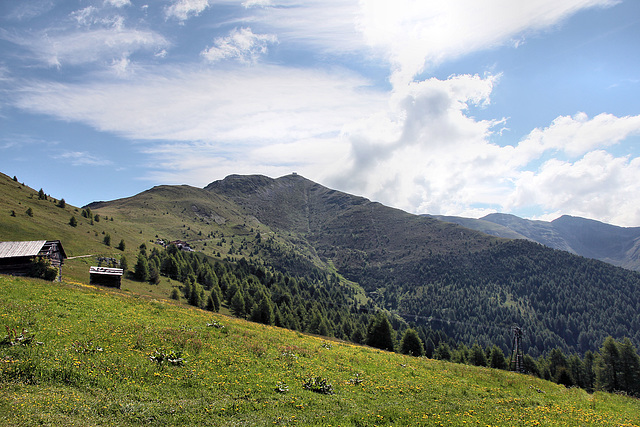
<point>516,361</point>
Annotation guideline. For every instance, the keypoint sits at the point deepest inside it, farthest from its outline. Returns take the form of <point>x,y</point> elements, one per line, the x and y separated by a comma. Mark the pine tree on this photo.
<point>629,368</point>
<point>589,366</point>
<point>196,295</point>
<point>73,221</point>
<point>556,361</point>
<point>411,343</point>
<point>379,333</point>
<point>266,311</point>
<point>213,302</point>
<point>430,348</point>
<point>237,304</point>
<point>608,366</point>
<point>154,274</point>
<point>121,245</point>
<point>477,356</point>
<point>107,239</point>
<point>497,360</point>
<point>141,269</point>
<point>443,352</point>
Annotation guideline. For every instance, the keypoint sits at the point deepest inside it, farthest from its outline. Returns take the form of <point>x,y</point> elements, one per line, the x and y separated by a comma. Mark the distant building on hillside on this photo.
<point>182,245</point>
<point>105,276</point>
<point>16,258</point>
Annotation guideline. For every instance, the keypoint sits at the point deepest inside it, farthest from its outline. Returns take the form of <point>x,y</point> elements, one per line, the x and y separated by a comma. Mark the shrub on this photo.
<point>42,269</point>
<point>318,385</point>
<point>281,387</point>
<point>13,338</point>
<point>172,357</point>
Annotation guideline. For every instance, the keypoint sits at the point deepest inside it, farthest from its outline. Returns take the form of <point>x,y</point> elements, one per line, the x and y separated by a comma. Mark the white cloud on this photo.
<point>241,44</point>
<point>323,25</point>
<point>260,104</point>
<point>578,134</point>
<point>410,33</point>
<point>185,9</point>
<point>82,158</point>
<point>28,10</point>
<point>80,47</point>
<point>597,185</point>
<point>413,33</point>
<point>90,16</point>
<point>426,154</point>
<point>257,3</point>
<point>118,3</point>
<point>121,66</point>
<point>419,154</point>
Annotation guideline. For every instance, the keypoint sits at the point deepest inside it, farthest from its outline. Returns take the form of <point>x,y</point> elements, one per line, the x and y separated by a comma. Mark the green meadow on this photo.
<point>75,354</point>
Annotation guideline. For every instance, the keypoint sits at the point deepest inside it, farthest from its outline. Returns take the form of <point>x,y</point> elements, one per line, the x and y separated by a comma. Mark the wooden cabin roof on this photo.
<point>20,249</point>
<point>29,248</point>
<point>106,271</point>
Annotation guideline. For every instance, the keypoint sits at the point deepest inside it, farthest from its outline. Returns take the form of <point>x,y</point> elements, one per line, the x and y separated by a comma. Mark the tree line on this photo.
<point>564,301</point>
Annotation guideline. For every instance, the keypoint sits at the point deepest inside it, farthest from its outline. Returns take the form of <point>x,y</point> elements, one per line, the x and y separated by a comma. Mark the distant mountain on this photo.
<point>585,237</point>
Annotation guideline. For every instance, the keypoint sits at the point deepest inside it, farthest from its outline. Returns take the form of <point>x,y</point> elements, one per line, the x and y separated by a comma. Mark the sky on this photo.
<point>462,107</point>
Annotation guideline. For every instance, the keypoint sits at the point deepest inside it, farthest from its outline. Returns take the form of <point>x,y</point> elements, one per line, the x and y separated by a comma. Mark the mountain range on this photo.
<point>585,237</point>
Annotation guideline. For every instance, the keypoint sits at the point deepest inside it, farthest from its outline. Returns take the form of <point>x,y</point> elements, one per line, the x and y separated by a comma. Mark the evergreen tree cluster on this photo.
<point>561,300</point>
<point>314,302</point>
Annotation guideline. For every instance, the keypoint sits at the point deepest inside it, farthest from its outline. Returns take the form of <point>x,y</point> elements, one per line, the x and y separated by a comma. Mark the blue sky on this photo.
<point>456,108</point>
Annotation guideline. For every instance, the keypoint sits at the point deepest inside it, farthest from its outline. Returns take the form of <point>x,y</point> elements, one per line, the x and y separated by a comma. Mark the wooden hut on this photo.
<point>104,276</point>
<point>17,258</point>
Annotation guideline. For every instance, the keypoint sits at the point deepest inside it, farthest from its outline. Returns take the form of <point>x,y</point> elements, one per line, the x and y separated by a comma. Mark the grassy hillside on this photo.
<point>89,363</point>
<point>82,243</point>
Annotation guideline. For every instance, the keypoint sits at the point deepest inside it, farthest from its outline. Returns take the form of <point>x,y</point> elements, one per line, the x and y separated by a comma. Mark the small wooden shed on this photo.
<point>16,257</point>
<point>105,276</point>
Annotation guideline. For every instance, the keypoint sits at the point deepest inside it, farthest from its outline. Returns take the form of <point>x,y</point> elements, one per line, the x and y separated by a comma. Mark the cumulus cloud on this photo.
<point>419,153</point>
<point>185,9</point>
<point>241,44</point>
<point>427,154</point>
<point>578,134</point>
<point>598,185</point>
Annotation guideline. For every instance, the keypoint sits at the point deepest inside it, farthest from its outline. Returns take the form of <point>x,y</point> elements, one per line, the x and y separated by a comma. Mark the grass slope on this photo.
<point>50,222</point>
<point>94,368</point>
